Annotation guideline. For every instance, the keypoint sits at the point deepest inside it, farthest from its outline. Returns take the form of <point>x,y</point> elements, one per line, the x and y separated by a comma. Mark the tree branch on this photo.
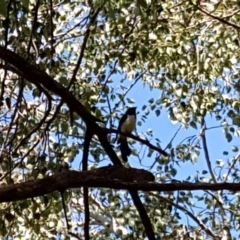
<point>220,19</point>
<point>205,149</point>
<point>143,141</point>
<point>185,210</point>
<point>86,146</point>
<point>84,43</point>
<point>37,76</point>
<point>106,177</point>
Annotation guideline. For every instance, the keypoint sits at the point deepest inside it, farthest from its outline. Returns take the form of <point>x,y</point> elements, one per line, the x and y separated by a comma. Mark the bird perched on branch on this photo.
<point>126,125</point>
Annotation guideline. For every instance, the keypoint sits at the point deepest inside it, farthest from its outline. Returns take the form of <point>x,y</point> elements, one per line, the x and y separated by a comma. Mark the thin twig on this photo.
<point>170,143</point>
<point>51,27</point>
<point>205,149</point>
<point>40,123</point>
<point>145,142</point>
<point>84,44</point>
<point>34,23</point>
<point>220,19</point>
<point>86,146</point>
<point>234,161</point>
<point>191,215</point>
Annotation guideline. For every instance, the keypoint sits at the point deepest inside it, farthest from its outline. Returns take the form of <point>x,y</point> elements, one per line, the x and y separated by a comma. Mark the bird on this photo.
<point>126,125</point>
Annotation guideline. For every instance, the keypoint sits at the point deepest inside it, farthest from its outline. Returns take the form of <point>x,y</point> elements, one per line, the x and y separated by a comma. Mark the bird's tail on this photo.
<point>125,150</point>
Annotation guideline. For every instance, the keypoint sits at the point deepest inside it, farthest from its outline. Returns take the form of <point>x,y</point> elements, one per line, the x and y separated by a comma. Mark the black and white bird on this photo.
<point>126,125</point>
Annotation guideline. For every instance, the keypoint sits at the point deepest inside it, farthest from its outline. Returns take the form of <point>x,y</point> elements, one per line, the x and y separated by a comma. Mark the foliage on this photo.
<point>186,51</point>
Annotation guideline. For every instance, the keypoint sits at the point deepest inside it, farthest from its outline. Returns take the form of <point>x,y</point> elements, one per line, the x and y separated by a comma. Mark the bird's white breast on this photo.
<point>129,125</point>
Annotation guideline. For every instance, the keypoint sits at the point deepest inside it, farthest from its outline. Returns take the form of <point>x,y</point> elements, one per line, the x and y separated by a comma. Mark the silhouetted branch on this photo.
<point>101,134</point>
<point>220,19</point>
<point>86,146</point>
<point>106,177</point>
<point>205,149</point>
<point>84,44</point>
<point>39,77</point>
<point>189,213</point>
<point>143,141</point>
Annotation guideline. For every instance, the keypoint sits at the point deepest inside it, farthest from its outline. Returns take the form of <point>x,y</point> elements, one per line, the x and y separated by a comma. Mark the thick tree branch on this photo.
<point>38,77</point>
<point>101,133</point>
<point>106,177</point>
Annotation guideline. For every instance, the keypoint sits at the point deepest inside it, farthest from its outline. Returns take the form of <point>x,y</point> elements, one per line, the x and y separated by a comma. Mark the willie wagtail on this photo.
<point>127,124</point>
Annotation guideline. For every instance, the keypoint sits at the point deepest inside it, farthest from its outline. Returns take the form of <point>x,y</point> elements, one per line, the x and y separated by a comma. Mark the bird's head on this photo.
<point>131,111</point>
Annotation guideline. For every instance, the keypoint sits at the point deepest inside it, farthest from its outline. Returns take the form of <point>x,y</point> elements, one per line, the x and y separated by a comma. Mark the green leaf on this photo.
<point>130,100</point>
<point>151,100</point>
<point>25,3</point>
<point>3,8</point>
<point>142,3</point>
<point>235,149</point>
<point>173,172</point>
<point>229,137</point>
<point>193,125</point>
<point>158,112</point>
<point>220,162</point>
<point>64,127</point>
